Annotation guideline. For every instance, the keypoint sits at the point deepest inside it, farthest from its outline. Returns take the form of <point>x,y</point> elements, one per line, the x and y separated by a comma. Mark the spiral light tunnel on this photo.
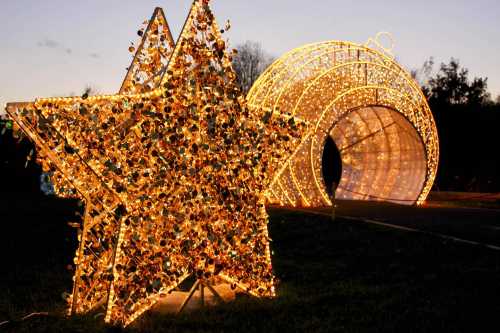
<point>372,109</point>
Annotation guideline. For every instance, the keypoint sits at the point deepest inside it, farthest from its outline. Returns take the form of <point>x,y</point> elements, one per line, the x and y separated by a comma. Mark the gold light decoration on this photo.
<point>173,178</point>
<point>373,110</point>
<point>151,56</point>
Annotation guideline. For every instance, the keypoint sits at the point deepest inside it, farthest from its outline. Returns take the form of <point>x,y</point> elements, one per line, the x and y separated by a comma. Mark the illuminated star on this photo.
<point>185,167</point>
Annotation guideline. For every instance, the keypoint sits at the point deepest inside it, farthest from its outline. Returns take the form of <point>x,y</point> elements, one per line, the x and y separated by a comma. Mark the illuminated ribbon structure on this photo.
<point>372,109</point>
<point>173,178</point>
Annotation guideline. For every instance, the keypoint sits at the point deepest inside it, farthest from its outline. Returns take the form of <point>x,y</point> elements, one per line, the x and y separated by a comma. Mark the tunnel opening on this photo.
<point>331,165</point>
<point>382,156</point>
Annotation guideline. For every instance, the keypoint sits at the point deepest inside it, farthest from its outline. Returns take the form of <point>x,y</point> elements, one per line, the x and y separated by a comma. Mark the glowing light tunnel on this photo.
<point>372,109</point>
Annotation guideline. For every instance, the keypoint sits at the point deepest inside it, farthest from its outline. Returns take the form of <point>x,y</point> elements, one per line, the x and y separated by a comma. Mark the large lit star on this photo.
<point>182,173</point>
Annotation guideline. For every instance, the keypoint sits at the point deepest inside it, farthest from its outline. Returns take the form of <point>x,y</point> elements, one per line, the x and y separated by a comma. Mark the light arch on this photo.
<point>329,83</point>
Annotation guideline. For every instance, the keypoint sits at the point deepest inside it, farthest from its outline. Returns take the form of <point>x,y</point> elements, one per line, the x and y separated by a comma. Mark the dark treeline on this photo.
<point>468,126</point>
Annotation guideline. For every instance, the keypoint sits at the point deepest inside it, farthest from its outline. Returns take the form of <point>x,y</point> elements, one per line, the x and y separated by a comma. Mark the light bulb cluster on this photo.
<point>173,178</point>
<point>373,110</point>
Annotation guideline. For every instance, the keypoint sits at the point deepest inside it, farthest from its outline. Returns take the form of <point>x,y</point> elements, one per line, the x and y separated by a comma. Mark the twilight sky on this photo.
<point>57,47</point>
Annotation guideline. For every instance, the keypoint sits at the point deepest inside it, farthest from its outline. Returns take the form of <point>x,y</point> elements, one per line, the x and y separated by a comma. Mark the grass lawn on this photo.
<point>334,276</point>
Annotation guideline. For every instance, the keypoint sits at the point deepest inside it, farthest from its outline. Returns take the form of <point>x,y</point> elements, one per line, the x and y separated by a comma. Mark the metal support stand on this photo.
<point>200,284</point>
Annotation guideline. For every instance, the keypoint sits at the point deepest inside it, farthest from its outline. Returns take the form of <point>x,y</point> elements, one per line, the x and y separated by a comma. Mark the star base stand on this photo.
<point>202,294</point>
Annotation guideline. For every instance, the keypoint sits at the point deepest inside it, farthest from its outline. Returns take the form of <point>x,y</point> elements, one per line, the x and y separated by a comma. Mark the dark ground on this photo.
<point>335,276</point>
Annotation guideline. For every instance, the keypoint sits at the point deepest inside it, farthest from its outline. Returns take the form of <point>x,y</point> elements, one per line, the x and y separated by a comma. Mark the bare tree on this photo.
<point>249,62</point>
